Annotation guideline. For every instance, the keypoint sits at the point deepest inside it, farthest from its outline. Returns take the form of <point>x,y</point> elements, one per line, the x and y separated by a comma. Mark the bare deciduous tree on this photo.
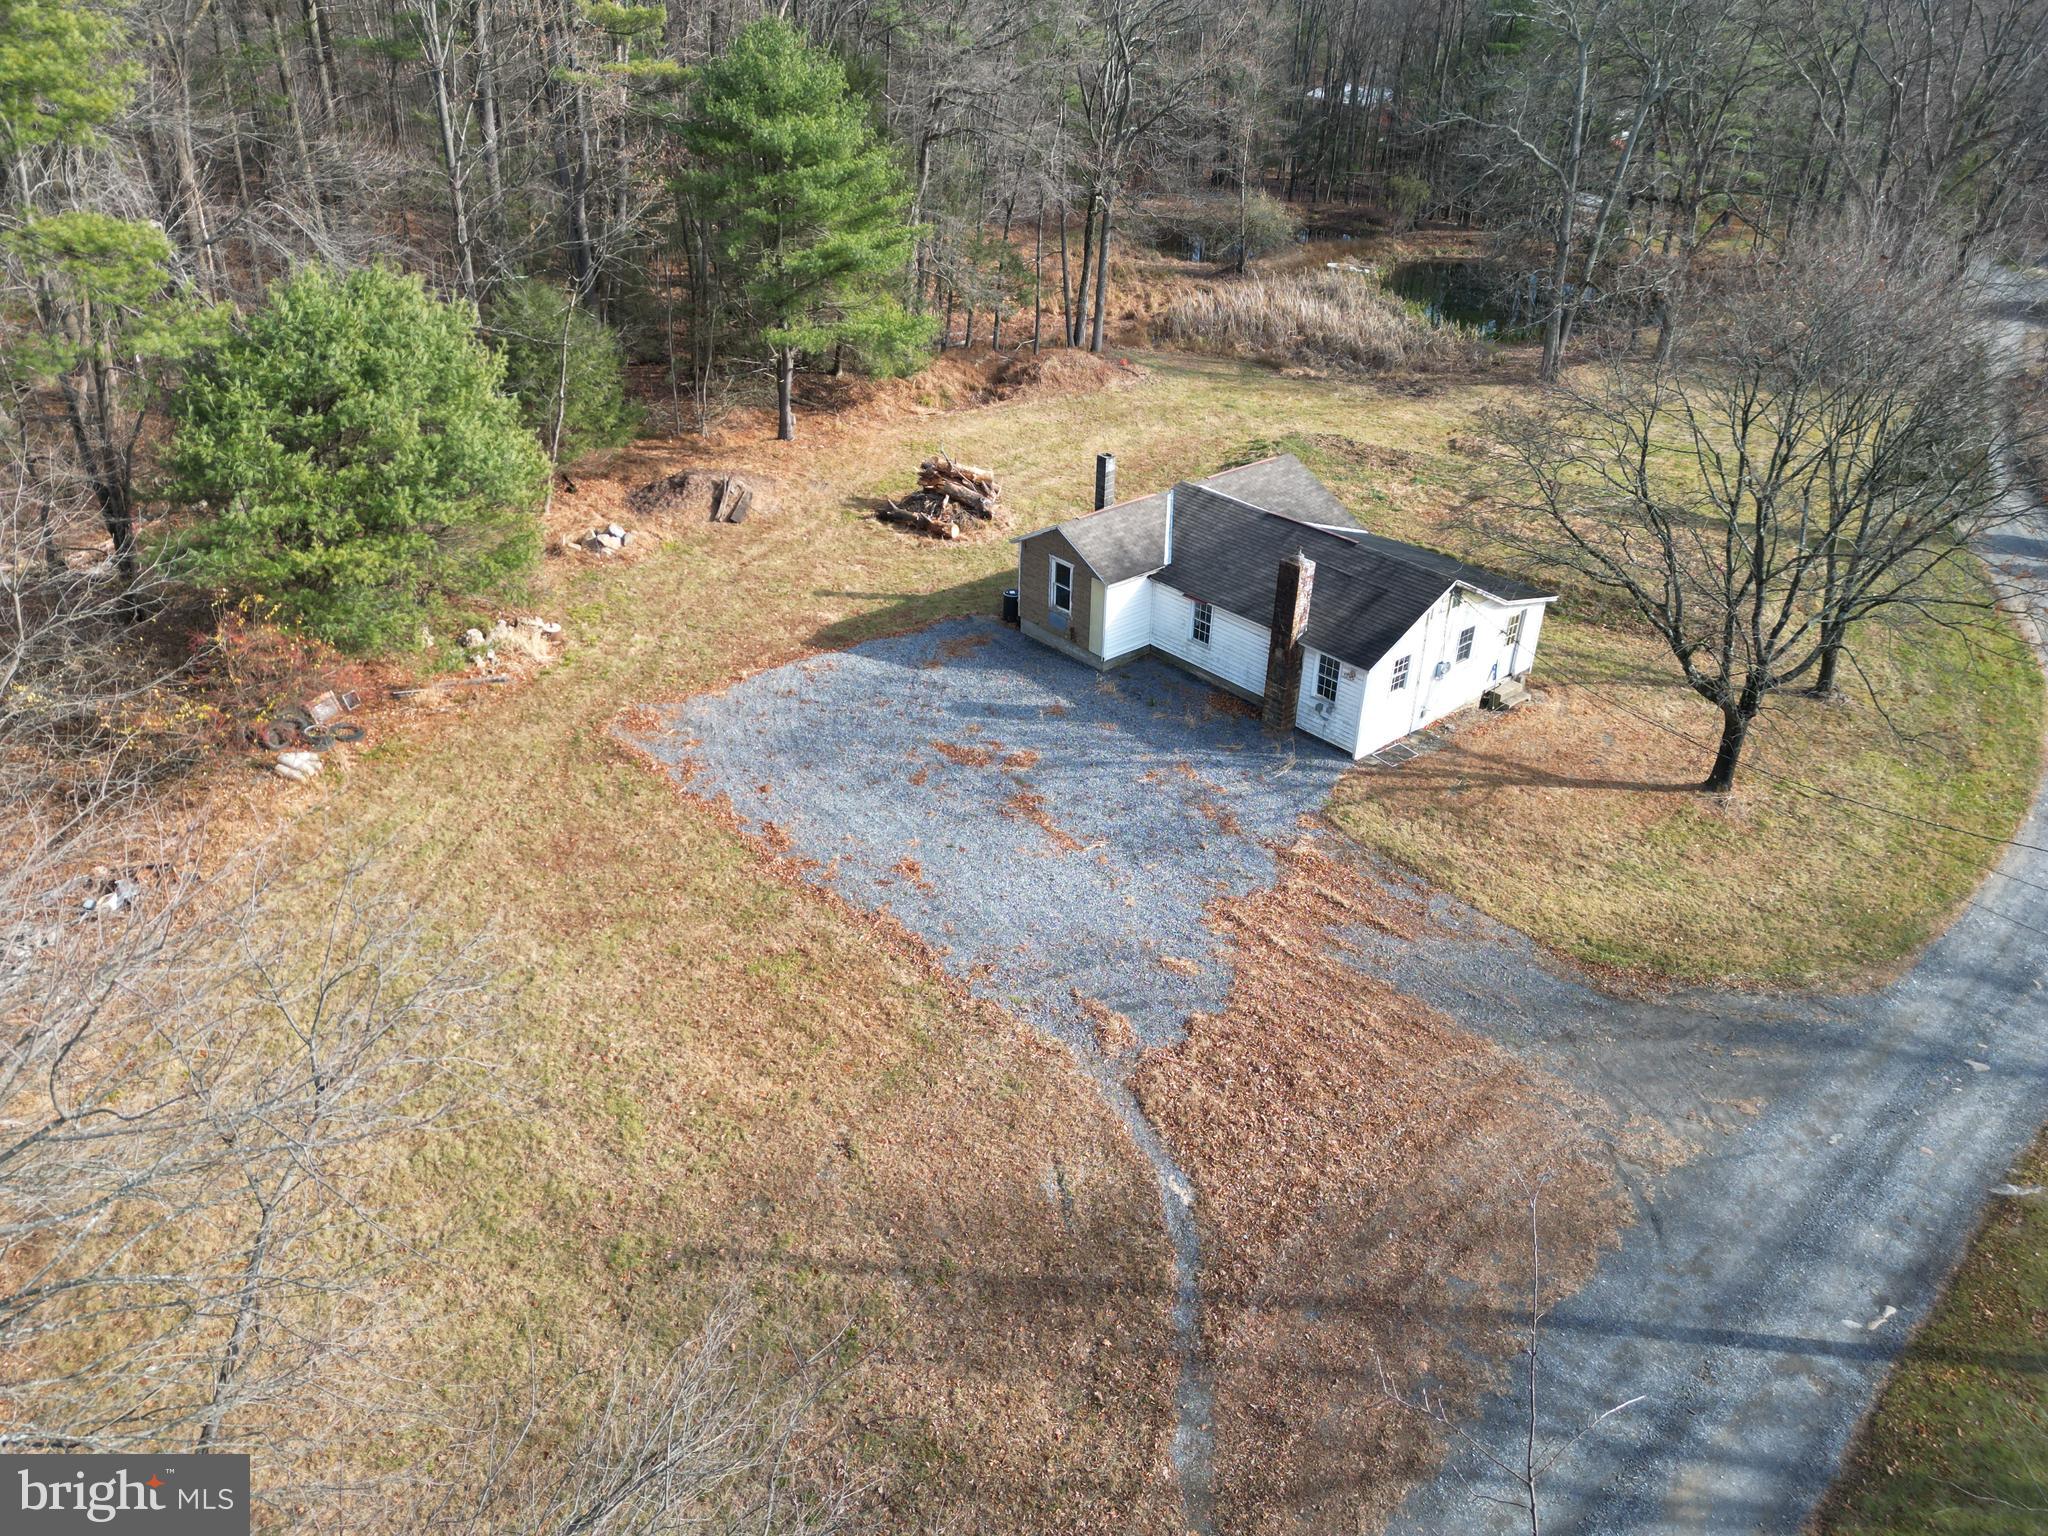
<point>204,1078</point>
<point>1824,456</point>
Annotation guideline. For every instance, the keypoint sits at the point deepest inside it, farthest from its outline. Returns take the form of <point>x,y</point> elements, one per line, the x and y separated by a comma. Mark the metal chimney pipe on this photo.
<point>1105,480</point>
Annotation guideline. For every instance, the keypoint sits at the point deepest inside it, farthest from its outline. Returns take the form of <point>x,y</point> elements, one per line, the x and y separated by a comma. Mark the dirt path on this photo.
<point>1193,1449</point>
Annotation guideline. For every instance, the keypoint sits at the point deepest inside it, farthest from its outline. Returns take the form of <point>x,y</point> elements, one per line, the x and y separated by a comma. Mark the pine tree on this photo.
<point>357,459</point>
<point>807,204</point>
<point>566,369</point>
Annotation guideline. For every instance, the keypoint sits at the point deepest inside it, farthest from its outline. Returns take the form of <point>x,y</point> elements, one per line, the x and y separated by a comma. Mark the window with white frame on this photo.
<point>1062,587</point>
<point>1400,678</point>
<point>1512,635</point>
<point>1465,645</point>
<point>1202,619</point>
<point>1326,678</point>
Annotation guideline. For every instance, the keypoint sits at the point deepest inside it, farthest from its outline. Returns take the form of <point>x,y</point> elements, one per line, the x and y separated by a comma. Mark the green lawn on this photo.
<point>1958,1443</point>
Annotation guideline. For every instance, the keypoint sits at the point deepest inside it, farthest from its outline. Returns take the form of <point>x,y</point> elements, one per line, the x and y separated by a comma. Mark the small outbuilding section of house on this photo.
<point>1258,580</point>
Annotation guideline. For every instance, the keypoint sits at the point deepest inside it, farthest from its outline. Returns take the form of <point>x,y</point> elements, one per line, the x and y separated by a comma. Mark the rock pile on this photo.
<point>608,540</point>
<point>525,637</point>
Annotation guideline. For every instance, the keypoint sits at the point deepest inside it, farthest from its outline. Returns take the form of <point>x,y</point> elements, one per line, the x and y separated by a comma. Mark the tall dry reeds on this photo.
<point>1316,320</point>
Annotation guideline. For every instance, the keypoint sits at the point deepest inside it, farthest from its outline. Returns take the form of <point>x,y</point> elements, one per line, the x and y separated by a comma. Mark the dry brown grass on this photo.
<point>1360,1165</point>
<point>1577,818</point>
<point>1314,320</point>
<point>1027,805</point>
<point>976,756</point>
<point>1115,1037</point>
<point>722,1075</point>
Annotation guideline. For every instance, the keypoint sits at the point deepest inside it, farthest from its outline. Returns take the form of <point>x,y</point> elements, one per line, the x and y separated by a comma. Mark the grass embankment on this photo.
<point>724,1080</point>
<point>1958,1443</point>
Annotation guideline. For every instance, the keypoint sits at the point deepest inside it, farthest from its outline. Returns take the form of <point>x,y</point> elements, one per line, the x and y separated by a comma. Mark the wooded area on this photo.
<point>478,143</point>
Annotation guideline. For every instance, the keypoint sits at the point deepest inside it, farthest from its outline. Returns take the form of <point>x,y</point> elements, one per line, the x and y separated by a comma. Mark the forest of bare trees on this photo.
<point>482,141</point>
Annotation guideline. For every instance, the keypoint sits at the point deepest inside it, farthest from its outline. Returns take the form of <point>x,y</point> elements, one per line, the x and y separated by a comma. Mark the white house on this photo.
<point>1259,580</point>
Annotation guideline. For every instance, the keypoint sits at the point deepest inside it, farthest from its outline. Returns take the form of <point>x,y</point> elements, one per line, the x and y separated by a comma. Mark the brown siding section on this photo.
<point>1034,590</point>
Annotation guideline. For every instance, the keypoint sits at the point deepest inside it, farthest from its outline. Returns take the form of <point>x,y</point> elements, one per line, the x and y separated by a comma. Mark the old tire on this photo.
<point>284,728</point>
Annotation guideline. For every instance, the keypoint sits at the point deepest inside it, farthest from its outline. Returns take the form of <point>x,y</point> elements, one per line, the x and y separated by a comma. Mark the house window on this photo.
<point>1512,635</point>
<point>1202,617</point>
<point>1400,678</point>
<point>1464,645</point>
<point>1326,678</point>
<point>1062,587</point>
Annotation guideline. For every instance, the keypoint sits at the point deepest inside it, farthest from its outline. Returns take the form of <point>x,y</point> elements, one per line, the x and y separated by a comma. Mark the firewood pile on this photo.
<point>948,499</point>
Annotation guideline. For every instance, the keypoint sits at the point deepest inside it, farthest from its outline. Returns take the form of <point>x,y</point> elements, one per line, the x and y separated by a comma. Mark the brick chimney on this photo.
<point>1105,480</point>
<point>1292,589</point>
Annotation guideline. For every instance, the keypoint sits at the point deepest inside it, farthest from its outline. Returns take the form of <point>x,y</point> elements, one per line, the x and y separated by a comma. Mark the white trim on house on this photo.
<point>1052,590</point>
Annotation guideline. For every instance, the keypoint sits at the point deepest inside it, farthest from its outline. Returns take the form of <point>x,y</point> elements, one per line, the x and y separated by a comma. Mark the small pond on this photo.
<point>1474,293</point>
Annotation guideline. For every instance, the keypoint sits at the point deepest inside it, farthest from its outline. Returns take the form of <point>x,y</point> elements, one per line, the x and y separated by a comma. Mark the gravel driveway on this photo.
<point>1048,831</point>
<point>1055,836</point>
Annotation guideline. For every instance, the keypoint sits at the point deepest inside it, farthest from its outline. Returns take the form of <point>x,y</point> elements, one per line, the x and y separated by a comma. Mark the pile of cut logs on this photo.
<point>947,495</point>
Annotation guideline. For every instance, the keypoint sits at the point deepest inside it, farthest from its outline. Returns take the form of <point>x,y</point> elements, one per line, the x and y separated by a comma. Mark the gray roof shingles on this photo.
<point>1285,485</point>
<point>1119,542</point>
<point>1129,539</point>
<point>1232,530</point>
<point>1368,590</point>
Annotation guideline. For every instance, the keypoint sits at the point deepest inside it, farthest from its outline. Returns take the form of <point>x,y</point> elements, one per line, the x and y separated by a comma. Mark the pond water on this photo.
<point>1473,293</point>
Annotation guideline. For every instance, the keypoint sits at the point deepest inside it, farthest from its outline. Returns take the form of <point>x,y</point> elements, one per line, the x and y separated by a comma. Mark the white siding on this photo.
<point>1127,617</point>
<point>1369,712</point>
<point>1335,722</point>
<point>1432,644</point>
<point>1236,651</point>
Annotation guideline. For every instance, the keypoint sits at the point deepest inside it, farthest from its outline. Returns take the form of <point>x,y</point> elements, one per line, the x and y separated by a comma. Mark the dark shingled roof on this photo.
<point>1119,542</point>
<point>1232,530</point>
<point>1368,590</point>
<point>1129,539</point>
<point>1284,485</point>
